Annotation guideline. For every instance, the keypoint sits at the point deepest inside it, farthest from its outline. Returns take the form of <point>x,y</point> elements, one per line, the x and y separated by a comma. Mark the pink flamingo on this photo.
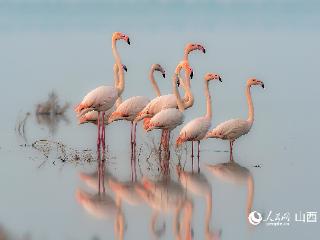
<point>129,109</point>
<point>103,98</point>
<point>196,129</point>
<point>92,115</point>
<point>235,128</point>
<point>170,118</point>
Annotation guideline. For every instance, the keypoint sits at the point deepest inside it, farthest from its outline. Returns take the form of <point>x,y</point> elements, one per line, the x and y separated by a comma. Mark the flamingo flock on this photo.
<point>104,106</point>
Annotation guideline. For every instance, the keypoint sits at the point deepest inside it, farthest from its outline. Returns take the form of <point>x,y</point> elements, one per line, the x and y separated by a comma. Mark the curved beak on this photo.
<point>125,67</point>
<point>128,40</point>
<point>191,74</point>
<point>220,79</point>
<point>262,84</point>
<point>163,75</point>
<point>178,82</point>
<point>200,47</point>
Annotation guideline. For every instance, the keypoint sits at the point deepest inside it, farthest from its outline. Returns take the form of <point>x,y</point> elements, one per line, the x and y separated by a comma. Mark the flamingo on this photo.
<point>235,128</point>
<point>92,116</point>
<point>196,129</point>
<point>129,109</point>
<point>170,118</point>
<point>103,98</point>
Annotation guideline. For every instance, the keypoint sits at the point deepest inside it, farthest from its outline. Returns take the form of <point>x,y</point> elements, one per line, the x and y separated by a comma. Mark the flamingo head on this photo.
<point>212,76</point>
<point>194,46</point>
<point>158,67</point>
<point>118,35</point>
<point>254,81</point>
<point>116,69</point>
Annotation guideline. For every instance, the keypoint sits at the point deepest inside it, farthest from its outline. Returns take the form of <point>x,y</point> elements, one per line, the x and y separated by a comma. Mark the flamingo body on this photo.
<point>166,119</point>
<point>92,117</point>
<point>195,130</point>
<point>230,130</point>
<point>129,109</point>
<point>157,104</point>
<point>100,99</point>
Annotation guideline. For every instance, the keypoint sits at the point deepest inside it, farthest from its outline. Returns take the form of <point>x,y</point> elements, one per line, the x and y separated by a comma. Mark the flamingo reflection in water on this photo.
<point>198,184</point>
<point>167,196</point>
<point>234,173</point>
<point>101,205</point>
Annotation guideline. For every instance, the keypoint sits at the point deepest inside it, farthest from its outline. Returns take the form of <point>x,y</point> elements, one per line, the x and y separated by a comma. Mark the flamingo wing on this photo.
<point>102,98</point>
<point>159,103</point>
<point>132,106</point>
<point>232,129</point>
<point>166,119</point>
<point>195,130</point>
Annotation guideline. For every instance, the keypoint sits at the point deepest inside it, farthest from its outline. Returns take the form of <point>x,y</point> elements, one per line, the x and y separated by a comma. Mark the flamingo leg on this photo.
<point>98,140</point>
<point>131,139</point>
<point>103,170</point>
<point>198,156</point>
<point>99,176</point>
<point>135,150</point>
<point>192,155</point>
<point>103,131</point>
<point>231,150</point>
<point>135,133</point>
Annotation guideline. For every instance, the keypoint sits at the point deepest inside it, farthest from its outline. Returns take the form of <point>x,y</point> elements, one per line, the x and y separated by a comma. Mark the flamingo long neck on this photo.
<point>250,184</point>
<point>208,212</point>
<point>120,83</point>
<point>208,100</point>
<point>176,92</point>
<point>154,83</point>
<point>116,81</point>
<point>186,55</point>
<point>186,58</point>
<point>250,105</point>
<point>188,98</point>
<point>115,74</point>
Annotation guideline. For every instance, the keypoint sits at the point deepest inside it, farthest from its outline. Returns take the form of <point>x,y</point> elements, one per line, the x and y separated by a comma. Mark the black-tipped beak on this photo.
<point>191,74</point>
<point>125,68</point>
<point>178,82</point>
<point>220,79</point>
<point>128,41</point>
<point>204,50</point>
<point>163,75</point>
<point>262,85</point>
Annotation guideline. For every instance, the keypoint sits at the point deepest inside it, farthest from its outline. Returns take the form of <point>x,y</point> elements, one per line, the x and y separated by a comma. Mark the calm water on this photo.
<point>49,187</point>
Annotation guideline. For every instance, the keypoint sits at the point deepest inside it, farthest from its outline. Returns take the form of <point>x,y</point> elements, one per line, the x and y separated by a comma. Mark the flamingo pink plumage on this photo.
<point>196,129</point>
<point>235,128</point>
<point>103,98</point>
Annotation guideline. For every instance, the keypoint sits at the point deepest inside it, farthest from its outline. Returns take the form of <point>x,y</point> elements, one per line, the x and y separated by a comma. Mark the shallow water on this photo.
<point>66,47</point>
